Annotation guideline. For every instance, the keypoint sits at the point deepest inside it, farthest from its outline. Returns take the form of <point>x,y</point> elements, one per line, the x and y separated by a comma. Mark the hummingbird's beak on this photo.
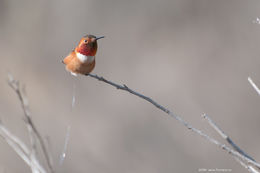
<point>100,37</point>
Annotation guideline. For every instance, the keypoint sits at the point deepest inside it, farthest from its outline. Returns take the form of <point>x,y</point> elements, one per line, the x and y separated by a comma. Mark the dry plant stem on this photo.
<point>20,148</point>
<point>253,85</point>
<point>225,136</point>
<point>63,154</point>
<point>33,148</point>
<point>30,125</point>
<point>233,145</point>
<point>6,133</point>
<point>178,118</point>
<point>246,166</point>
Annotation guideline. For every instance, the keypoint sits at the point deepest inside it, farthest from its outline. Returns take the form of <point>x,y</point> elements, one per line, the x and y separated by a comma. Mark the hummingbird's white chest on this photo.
<point>84,58</point>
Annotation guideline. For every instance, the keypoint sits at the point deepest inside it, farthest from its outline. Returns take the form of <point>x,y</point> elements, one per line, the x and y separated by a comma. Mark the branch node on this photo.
<point>126,87</point>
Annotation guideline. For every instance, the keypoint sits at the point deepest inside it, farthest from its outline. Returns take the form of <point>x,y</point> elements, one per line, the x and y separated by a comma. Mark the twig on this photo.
<point>253,85</point>
<point>33,147</point>
<point>30,125</point>
<point>66,142</point>
<point>246,166</point>
<point>225,136</point>
<point>20,148</point>
<point>228,139</point>
<point>17,141</point>
<point>178,118</point>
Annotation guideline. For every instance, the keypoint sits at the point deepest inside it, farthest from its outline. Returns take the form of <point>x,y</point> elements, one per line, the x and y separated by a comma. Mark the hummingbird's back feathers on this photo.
<point>68,58</point>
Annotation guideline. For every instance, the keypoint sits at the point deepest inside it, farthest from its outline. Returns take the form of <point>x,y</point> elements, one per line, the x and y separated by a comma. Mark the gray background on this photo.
<point>193,56</point>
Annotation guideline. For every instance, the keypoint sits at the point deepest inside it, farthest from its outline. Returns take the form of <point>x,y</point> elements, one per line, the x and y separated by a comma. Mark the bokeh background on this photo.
<point>193,57</point>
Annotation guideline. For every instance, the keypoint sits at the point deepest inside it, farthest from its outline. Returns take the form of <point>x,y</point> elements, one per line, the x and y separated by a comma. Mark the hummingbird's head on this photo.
<point>88,45</point>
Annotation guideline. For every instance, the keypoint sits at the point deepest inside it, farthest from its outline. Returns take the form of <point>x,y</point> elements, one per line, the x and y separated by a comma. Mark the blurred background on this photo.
<point>193,57</point>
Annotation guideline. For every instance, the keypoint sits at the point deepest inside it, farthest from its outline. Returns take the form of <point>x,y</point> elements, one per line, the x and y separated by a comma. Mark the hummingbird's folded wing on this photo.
<point>69,58</point>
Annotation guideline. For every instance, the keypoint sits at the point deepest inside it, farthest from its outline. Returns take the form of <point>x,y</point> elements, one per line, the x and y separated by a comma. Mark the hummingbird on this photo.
<point>82,59</point>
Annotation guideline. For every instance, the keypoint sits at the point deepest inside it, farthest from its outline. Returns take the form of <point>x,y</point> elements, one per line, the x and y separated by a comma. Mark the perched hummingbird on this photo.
<point>82,59</point>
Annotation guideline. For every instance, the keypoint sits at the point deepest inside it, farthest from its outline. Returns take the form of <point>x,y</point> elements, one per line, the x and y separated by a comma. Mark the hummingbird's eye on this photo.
<point>85,41</point>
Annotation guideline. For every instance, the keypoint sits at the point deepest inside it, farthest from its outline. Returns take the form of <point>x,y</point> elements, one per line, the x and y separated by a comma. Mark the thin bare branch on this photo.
<point>33,148</point>
<point>66,142</point>
<point>225,136</point>
<point>30,125</point>
<point>178,118</point>
<point>6,132</point>
<point>20,148</point>
<point>248,167</point>
<point>228,139</point>
<point>254,85</point>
